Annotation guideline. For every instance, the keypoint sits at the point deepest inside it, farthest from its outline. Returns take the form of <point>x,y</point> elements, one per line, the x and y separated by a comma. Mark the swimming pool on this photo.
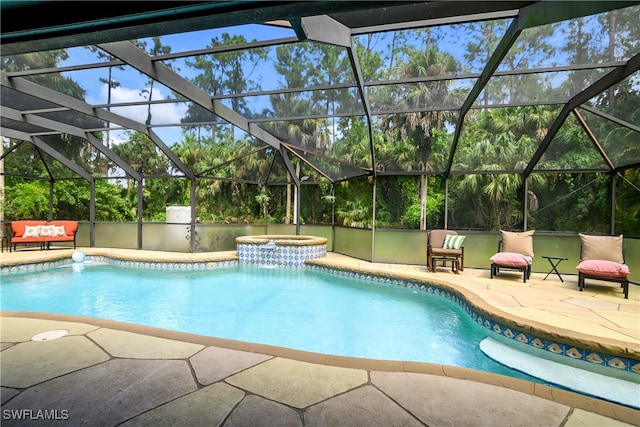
<point>294,308</point>
<point>303,309</point>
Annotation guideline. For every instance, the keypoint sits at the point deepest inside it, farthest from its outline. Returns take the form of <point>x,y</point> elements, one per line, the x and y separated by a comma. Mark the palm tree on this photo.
<point>296,68</point>
<point>501,140</point>
<point>412,134</point>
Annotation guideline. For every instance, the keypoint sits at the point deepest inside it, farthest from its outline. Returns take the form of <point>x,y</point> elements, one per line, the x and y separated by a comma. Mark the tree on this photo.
<point>157,49</point>
<point>295,65</point>
<point>412,134</point>
<point>30,200</point>
<point>501,139</point>
<point>225,73</point>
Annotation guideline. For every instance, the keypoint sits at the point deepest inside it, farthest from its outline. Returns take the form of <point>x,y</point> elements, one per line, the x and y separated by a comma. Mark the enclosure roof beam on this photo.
<point>161,73</point>
<point>536,14</point>
<point>327,30</point>
<point>610,118</point>
<point>323,29</point>
<point>38,26</point>
<point>33,89</point>
<point>593,139</point>
<point>41,145</point>
<point>620,73</point>
<point>308,163</point>
<point>357,71</point>
<point>498,55</point>
<point>113,156</point>
<point>71,130</point>
<point>5,153</point>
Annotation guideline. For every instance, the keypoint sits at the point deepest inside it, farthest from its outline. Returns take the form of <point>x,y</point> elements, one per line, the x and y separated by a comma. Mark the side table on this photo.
<point>554,261</point>
<point>455,263</point>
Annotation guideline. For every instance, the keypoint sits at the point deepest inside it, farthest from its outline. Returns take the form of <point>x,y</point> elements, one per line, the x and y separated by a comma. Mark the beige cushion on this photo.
<point>436,237</point>
<point>607,248</point>
<point>446,252</point>
<point>519,243</point>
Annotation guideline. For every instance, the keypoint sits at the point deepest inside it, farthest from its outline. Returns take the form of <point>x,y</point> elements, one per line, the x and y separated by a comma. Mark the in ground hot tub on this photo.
<point>280,251</point>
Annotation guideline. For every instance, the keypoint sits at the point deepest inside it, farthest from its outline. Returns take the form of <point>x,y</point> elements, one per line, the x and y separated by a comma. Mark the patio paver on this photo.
<point>434,399</point>
<point>208,406</point>
<point>139,346</point>
<point>297,384</point>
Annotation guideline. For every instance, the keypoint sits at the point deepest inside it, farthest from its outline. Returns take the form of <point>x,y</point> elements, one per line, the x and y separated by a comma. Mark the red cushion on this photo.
<point>511,259</point>
<point>59,239</point>
<point>602,268</point>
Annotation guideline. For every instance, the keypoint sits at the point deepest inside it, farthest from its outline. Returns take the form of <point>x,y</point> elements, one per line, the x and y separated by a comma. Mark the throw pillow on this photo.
<point>60,231</point>
<point>521,243</point>
<point>608,248</point>
<point>31,231</point>
<point>602,268</point>
<point>453,241</point>
<point>47,230</point>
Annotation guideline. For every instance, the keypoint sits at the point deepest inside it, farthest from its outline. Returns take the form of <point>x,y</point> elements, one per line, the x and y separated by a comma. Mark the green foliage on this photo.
<point>27,200</point>
<point>110,203</point>
<point>628,203</point>
<point>30,200</point>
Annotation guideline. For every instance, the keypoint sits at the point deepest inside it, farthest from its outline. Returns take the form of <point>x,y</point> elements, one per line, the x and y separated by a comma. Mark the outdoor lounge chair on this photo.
<point>445,246</point>
<point>602,258</point>
<point>515,252</point>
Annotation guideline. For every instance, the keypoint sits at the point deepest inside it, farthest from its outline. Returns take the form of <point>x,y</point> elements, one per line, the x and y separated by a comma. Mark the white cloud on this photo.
<point>161,113</point>
<point>170,113</point>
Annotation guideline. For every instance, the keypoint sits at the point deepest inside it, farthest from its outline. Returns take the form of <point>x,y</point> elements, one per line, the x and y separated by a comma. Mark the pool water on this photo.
<point>294,308</point>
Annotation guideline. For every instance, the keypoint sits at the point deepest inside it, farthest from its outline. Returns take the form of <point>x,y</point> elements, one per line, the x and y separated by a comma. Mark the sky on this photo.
<point>133,84</point>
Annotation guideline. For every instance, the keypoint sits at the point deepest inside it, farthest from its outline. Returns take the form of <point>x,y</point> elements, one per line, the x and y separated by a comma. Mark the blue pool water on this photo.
<point>294,308</point>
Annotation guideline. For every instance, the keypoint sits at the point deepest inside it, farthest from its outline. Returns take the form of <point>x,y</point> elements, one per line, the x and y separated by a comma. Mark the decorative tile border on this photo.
<point>160,265</point>
<point>573,352</point>
<point>26,268</point>
<point>40,266</point>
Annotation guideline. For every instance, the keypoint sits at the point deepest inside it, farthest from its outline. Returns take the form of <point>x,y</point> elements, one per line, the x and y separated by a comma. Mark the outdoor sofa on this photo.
<point>43,232</point>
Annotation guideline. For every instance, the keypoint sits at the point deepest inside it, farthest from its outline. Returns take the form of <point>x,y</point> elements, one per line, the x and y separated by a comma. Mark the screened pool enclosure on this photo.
<point>364,122</point>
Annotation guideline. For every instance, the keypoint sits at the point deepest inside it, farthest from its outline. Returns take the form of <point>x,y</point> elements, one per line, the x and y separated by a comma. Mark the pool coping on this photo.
<point>600,351</point>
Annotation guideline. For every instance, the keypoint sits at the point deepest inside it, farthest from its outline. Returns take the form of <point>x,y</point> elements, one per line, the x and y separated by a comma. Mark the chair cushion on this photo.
<point>453,241</point>
<point>608,248</point>
<point>511,259</point>
<point>446,252</point>
<point>436,237</point>
<point>603,268</point>
<point>520,243</point>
